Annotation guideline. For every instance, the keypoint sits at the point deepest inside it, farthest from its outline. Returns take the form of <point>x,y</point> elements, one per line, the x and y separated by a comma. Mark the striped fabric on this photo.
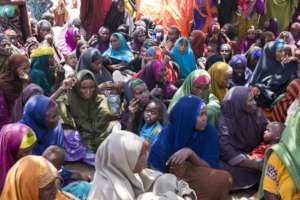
<point>279,111</point>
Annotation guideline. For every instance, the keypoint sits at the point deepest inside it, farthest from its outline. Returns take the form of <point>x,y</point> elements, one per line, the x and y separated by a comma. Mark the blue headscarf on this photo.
<point>240,79</point>
<point>186,61</point>
<point>181,133</point>
<point>79,189</point>
<point>34,116</point>
<point>123,53</point>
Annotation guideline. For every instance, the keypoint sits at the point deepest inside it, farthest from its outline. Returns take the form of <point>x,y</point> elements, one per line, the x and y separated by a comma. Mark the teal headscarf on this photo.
<point>186,61</point>
<point>41,75</point>
<point>79,189</point>
<point>123,53</point>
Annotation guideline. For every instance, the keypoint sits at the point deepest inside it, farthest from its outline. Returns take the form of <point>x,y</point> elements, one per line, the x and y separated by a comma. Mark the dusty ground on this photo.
<point>89,170</point>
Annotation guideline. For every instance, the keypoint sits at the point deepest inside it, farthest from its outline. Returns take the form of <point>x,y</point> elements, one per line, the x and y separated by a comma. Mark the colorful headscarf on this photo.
<point>26,186</point>
<point>181,133</point>
<point>186,61</point>
<point>123,53</point>
<point>239,59</point>
<point>34,116</point>
<point>13,137</point>
<point>217,73</point>
<point>70,38</point>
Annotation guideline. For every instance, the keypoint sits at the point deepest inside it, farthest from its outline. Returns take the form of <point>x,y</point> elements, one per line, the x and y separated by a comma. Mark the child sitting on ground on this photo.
<point>70,66</point>
<point>272,136</point>
<point>153,116</point>
<point>56,155</point>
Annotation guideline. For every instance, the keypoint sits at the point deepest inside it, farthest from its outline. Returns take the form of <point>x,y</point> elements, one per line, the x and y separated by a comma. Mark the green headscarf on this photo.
<point>91,117</point>
<point>212,103</point>
<point>283,10</point>
<point>287,150</point>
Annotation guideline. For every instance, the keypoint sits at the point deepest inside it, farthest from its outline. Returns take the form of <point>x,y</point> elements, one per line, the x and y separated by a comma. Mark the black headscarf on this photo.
<point>271,76</point>
<point>115,18</point>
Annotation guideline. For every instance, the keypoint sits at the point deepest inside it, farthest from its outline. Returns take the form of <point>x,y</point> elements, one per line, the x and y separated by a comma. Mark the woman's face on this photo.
<point>251,34</point>
<point>172,35</point>
<point>142,162</point>
<point>225,52</point>
<point>83,48</point>
<point>142,36</point>
<point>151,113</point>
<point>200,90</point>
<point>104,34</point>
<point>77,35</point>
<point>182,48</point>
<point>87,88</point>
<point>48,192</point>
<point>121,6</point>
<point>23,71</point>
<point>201,119</point>
<point>96,65</point>
<point>115,44</point>
<point>216,28</point>
<point>142,93</point>
<point>43,31</point>
<point>250,104</point>
<point>51,120</point>
<point>227,79</point>
<point>239,69</point>
<point>279,54</point>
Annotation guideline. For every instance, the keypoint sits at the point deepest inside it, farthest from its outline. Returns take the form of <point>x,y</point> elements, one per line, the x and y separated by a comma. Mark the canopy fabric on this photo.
<point>168,13</point>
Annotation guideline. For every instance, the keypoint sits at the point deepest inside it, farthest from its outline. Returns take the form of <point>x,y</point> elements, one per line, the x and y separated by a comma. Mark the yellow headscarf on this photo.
<point>26,177</point>
<point>217,73</point>
<point>28,139</point>
<point>42,50</point>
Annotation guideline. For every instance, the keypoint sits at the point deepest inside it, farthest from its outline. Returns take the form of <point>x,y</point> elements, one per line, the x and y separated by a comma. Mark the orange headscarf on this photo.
<point>26,177</point>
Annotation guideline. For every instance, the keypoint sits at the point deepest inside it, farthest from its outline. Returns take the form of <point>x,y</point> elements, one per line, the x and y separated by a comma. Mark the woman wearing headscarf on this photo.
<point>15,79</point>
<point>119,52</point>
<point>138,38</point>
<point>241,73</point>
<point>101,40</point>
<point>40,71</point>
<point>117,16</point>
<point>226,52</point>
<point>287,37</point>
<point>197,40</point>
<point>183,54</point>
<point>29,91</point>
<point>16,141</point>
<point>272,75</point>
<point>122,173</point>
<point>249,41</point>
<point>295,30</point>
<point>72,36</point>
<point>40,114</point>
<point>80,47</point>
<point>84,109</point>
<point>280,178</point>
<point>158,73</point>
<point>198,84</point>
<point>221,76</point>
<point>91,59</point>
<point>21,185</point>
<point>241,129</point>
<point>189,148</point>
<point>214,35</point>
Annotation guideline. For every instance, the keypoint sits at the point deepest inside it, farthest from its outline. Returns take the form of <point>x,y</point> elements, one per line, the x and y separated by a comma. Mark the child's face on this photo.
<point>56,160</point>
<point>71,60</point>
<point>271,135</point>
<point>151,113</point>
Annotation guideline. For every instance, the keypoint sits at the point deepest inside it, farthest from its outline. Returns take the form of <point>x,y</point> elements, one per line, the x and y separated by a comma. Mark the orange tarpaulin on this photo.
<point>168,13</point>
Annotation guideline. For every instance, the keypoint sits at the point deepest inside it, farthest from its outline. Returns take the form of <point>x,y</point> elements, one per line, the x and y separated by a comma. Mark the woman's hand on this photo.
<point>93,40</point>
<point>106,85</point>
<point>180,157</point>
<point>255,91</point>
<point>68,84</point>
<point>133,106</point>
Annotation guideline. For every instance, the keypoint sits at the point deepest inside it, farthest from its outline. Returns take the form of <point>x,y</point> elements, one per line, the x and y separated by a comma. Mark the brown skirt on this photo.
<point>208,183</point>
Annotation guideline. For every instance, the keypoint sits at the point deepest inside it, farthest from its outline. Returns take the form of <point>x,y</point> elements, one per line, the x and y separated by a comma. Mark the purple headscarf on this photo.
<point>136,44</point>
<point>11,136</point>
<point>295,30</point>
<point>29,91</point>
<point>70,38</point>
<point>240,131</point>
